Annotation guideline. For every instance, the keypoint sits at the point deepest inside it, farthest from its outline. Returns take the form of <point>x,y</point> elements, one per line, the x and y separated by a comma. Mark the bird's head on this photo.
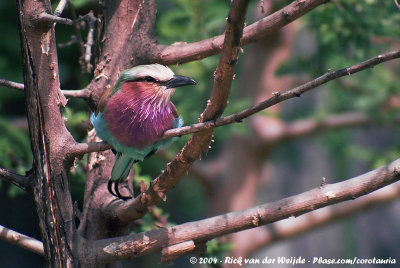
<point>155,79</point>
<point>153,82</point>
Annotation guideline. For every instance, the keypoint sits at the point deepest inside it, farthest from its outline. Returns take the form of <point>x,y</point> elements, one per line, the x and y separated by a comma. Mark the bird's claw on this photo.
<point>113,189</point>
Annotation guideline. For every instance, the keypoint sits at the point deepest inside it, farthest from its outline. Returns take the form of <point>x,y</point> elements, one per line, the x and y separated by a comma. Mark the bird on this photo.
<point>133,115</point>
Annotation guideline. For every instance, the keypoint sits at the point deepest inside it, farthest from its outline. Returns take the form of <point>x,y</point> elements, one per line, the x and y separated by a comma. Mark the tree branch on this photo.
<point>60,7</point>
<point>293,227</point>
<point>397,4</point>
<point>90,147</point>
<point>304,127</point>
<point>136,245</point>
<point>80,93</point>
<point>21,240</point>
<point>54,19</point>
<point>22,182</point>
<point>279,97</point>
<point>175,54</point>
<point>11,84</point>
<point>199,142</point>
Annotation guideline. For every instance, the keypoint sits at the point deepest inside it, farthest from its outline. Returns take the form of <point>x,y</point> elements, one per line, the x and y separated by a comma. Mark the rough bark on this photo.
<point>49,180</point>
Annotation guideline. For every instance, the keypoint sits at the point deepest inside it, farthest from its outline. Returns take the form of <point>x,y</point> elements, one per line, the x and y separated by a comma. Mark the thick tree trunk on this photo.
<point>49,137</point>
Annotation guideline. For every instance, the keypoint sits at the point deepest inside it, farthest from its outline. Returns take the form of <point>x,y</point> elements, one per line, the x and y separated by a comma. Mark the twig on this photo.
<point>21,240</point>
<point>86,57</point>
<point>174,54</point>
<point>11,84</point>
<point>60,7</point>
<point>80,93</point>
<point>69,43</point>
<point>262,6</point>
<point>397,4</point>
<point>135,245</point>
<point>55,19</point>
<point>22,182</point>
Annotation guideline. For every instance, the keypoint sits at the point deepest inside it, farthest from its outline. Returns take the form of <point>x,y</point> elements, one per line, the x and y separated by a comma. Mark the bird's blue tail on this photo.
<point>122,166</point>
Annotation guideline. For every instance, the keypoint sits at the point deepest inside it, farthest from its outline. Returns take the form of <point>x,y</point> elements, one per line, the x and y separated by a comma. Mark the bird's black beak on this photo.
<point>179,81</point>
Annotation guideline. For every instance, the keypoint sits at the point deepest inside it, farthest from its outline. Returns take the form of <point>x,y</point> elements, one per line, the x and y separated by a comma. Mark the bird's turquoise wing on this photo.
<point>101,130</point>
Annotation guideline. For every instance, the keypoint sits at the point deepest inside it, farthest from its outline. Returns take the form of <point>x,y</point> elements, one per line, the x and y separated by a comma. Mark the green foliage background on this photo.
<point>343,33</point>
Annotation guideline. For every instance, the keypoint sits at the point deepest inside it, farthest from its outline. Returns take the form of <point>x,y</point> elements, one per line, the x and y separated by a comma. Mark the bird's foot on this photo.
<point>113,189</point>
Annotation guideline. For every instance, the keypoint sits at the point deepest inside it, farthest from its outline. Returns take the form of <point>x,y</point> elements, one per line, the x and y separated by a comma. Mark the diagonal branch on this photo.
<point>60,7</point>
<point>135,245</point>
<point>22,182</point>
<point>293,227</point>
<point>174,54</point>
<point>21,240</point>
<point>397,4</point>
<point>199,142</point>
<point>289,94</point>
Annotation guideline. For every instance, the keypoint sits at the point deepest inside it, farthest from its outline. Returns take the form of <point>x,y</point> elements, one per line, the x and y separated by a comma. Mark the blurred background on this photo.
<point>282,151</point>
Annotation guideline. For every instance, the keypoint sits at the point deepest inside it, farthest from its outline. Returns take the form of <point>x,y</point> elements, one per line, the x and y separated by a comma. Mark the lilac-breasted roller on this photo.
<point>134,115</point>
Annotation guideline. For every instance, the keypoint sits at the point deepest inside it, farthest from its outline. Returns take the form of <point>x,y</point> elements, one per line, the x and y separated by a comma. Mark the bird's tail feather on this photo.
<point>122,166</point>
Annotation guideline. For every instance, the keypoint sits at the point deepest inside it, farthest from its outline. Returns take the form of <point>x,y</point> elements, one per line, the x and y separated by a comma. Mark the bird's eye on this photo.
<point>149,79</point>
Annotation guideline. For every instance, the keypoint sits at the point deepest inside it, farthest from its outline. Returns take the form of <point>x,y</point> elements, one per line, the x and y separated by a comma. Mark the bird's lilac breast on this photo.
<point>135,121</point>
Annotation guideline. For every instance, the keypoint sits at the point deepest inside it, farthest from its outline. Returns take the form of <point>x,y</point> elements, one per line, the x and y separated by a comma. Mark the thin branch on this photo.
<point>21,240</point>
<point>279,97</point>
<point>397,4</point>
<point>304,127</point>
<point>80,93</point>
<point>60,7</point>
<point>54,19</point>
<point>293,227</point>
<point>22,182</point>
<point>135,245</point>
<point>87,56</point>
<point>10,84</point>
<point>174,54</point>
<point>90,147</point>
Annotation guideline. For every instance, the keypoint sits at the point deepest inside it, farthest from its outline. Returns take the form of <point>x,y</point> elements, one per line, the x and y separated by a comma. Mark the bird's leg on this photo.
<point>113,189</point>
